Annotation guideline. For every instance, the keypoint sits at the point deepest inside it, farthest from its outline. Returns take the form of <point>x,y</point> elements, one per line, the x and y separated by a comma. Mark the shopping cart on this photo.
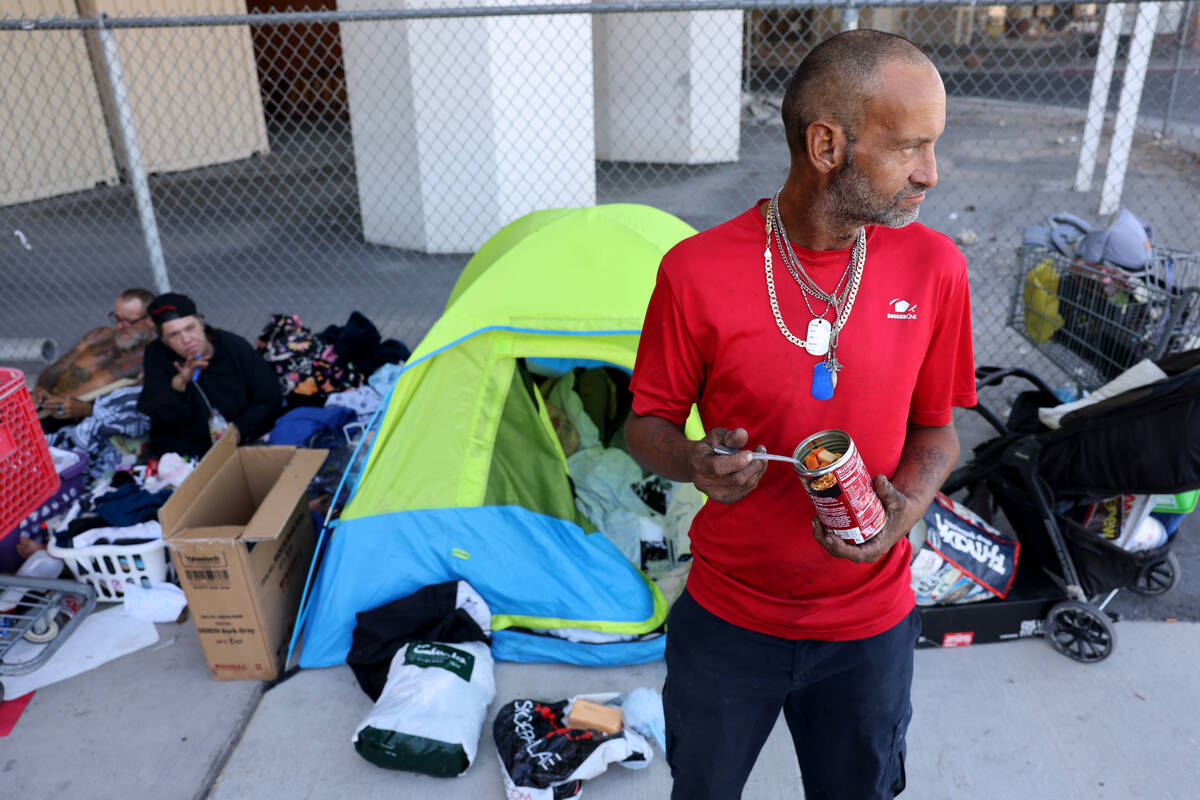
<point>1096,320</point>
<point>43,611</point>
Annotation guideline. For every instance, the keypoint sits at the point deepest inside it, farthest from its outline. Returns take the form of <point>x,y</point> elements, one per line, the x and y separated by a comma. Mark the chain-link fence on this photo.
<point>348,158</point>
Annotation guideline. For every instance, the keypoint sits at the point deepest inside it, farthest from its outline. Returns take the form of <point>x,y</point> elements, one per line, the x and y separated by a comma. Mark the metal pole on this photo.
<point>968,37</point>
<point>133,153</point>
<point>1184,24</point>
<point>849,19</point>
<point>748,57</point>
<point>1127,107</point>
<point>29,349</point>
<point>1089,147</point>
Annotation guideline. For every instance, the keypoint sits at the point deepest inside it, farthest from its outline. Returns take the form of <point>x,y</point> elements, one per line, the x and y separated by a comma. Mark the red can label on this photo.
<point>840,487</point>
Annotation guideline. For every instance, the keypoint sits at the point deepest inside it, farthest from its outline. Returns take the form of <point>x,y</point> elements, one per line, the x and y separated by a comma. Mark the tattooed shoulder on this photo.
<point>74,378</point>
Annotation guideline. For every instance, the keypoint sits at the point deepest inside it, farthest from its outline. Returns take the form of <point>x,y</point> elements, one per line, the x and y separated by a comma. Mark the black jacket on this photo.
<point>237,381</point>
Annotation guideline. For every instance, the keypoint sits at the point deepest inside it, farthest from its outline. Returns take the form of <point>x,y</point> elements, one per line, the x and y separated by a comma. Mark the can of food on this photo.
<point>840,486</point>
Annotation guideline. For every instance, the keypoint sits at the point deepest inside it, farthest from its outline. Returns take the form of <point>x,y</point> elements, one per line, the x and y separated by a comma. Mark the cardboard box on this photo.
<point>241,538</point>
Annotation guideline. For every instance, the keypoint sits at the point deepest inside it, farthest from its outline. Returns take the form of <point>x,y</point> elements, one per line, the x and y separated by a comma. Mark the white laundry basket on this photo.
<point>108,567</point>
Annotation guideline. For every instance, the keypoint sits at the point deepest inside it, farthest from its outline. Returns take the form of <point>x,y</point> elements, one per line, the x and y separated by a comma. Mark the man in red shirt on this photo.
<point>870,333</point>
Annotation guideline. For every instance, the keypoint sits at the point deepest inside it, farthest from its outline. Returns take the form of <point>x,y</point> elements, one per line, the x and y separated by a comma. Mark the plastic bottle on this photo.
<point>216,425</point>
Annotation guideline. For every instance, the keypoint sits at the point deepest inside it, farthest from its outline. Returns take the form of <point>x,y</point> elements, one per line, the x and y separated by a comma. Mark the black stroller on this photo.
<point>1143,441</point>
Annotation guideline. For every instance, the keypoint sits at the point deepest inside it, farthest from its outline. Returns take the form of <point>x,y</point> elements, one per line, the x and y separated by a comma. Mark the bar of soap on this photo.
<point>593,716</point>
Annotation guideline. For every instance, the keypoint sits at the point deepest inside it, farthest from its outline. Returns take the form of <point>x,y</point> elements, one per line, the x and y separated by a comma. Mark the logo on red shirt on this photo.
<point>902,309</point>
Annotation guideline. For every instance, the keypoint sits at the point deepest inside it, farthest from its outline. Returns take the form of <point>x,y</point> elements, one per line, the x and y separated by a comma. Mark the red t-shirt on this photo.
<point>710,338</point>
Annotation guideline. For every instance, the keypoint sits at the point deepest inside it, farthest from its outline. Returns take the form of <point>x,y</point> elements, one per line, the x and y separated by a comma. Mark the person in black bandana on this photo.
<point>193,369</point>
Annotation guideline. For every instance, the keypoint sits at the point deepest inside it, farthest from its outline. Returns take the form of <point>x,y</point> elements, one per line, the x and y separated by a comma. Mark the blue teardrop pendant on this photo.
<point>823,381</point>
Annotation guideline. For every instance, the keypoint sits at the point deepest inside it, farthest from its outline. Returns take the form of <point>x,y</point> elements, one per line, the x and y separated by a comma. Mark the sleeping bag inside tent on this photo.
<point>499,457</point>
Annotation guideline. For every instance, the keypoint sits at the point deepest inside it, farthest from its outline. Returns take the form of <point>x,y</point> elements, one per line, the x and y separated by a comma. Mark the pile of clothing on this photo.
<point>339,426</point>
<point>122,507</point>
<point>333,382</point>
<point>111,437</point>
<point>646,516</point>
<point>311,366</point>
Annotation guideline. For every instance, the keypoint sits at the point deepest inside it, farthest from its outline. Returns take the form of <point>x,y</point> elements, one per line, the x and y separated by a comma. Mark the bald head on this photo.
<point>836,78</point>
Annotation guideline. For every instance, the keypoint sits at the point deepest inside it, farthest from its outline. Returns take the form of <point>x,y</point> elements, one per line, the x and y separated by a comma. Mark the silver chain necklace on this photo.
<point>822,338</point>
<point>796,268</point>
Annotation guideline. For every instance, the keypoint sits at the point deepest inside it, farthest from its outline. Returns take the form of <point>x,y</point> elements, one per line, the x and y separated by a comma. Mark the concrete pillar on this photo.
<point>461,126</point>
<point>668,86</point>
<point>888,20</point>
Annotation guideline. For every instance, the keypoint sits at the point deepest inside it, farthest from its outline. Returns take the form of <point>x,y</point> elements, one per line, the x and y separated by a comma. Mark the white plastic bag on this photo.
<point>431,711</point>
<point>643,711</point>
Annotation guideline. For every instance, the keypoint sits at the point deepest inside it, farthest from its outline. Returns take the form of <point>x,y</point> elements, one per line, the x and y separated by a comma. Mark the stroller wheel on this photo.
<point>1080,631</point>
<point>1158,577</point>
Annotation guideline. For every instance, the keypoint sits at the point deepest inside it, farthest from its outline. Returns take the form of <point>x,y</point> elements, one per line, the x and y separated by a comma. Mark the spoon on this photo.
<point>722,450</point>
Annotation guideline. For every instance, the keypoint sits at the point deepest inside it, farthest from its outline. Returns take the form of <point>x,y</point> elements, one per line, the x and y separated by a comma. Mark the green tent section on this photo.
<point>466,478</point>
<point>559,283</point>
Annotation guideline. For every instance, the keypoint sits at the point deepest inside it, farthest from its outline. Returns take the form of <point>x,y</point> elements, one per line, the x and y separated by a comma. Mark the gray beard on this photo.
<point>128,341</point>
<point>851,201</point>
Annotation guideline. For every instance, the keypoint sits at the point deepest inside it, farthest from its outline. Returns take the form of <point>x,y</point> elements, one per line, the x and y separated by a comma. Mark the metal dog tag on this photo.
<point>816,341</point>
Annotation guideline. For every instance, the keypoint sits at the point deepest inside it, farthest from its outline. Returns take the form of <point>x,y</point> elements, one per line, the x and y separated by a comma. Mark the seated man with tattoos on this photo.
<point>103,356</point>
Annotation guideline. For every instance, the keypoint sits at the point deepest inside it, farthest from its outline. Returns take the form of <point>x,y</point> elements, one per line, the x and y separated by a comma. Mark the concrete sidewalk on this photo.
<point>151,724</point>
<point>1010,720</point>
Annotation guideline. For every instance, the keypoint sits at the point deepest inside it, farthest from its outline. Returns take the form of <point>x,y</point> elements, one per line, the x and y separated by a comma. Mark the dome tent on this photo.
<point>466,478</point>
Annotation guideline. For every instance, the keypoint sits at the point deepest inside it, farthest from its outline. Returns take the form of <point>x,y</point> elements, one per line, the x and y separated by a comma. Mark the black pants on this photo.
<point>846,705</point>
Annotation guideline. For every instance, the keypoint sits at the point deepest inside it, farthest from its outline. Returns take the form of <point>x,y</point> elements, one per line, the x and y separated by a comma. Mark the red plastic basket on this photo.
<point>27,474</point>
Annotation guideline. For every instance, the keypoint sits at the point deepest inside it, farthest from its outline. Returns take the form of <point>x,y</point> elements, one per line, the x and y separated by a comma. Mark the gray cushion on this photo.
<point>1125,243</point>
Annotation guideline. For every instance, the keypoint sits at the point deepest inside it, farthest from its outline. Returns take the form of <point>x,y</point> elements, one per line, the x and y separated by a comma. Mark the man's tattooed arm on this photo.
<point>928,457</point>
